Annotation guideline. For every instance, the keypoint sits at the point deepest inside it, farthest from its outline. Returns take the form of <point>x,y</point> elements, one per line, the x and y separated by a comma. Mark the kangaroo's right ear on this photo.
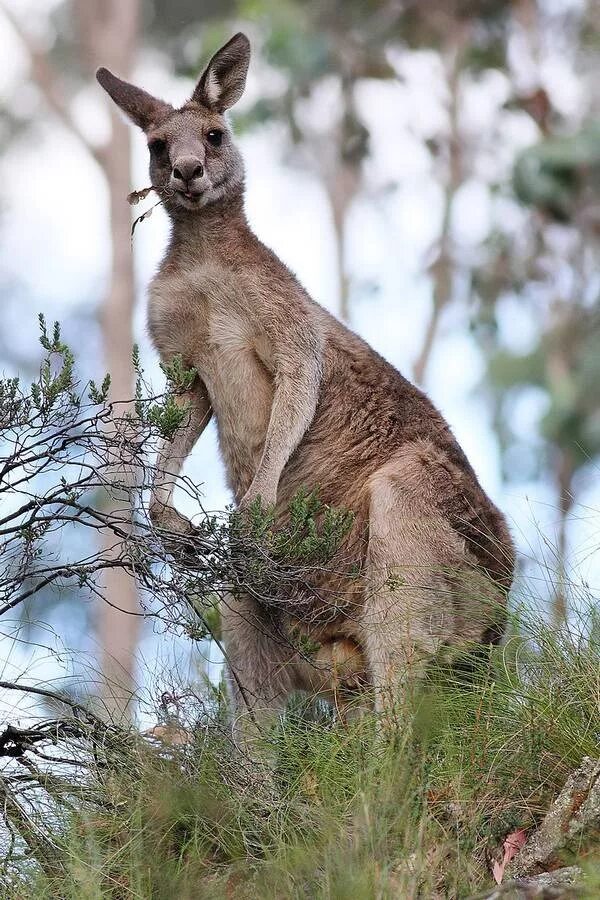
<point>224,79</point>
<point>142,108</point>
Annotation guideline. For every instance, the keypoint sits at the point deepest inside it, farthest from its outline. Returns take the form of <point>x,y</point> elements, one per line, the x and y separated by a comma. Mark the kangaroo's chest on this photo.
<point>206,321</point>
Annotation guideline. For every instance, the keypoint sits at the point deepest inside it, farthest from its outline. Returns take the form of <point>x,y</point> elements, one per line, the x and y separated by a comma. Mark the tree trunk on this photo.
<point>443,268</point>
<point>118,622</point>
<point>108,31</point>
<point>342,187</point>
<point>564,478</point>
<point>340,165</point>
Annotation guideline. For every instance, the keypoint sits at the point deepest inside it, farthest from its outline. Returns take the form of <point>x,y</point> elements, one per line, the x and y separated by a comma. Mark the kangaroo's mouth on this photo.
<point>191,196</point>
<point>191,199</point>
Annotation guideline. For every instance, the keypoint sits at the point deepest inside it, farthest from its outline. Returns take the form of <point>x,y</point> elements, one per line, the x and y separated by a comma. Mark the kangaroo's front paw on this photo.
<point>166,518</point>
<point>178,535</point>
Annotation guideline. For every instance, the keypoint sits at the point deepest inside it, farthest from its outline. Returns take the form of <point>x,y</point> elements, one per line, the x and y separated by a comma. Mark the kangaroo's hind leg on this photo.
<point>422,587</point>
<point>263,666</point>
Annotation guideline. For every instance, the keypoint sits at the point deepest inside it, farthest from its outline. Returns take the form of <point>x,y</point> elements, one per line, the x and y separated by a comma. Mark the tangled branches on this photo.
<point>76,467</point>
<point>71,459</point>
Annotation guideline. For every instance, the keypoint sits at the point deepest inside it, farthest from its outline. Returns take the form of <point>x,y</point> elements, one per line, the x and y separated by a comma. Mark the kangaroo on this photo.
<point>302,401</point>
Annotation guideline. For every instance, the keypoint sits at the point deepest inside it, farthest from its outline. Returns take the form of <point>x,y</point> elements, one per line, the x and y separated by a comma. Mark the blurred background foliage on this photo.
<point>503,114</point>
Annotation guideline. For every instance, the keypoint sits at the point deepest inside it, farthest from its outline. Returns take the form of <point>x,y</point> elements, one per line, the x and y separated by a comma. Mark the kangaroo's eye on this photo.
<point>214,137</point>
<point>157,146</point>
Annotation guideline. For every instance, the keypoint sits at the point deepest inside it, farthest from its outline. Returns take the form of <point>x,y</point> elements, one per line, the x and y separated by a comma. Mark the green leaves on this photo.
<point>53,381</point>
<point>57,382</point>
<point>310,534</point>
<point>99,395</point>
<point>276,558</point>
<point>315,531</point>
<point>166,414</point>
<point>55,345</point>
<point>12,402</point>
<point>179,378</point>
<point>552,174</point>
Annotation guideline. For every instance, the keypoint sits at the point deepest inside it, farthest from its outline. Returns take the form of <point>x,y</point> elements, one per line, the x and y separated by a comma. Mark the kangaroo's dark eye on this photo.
<point>214,137</point>
<point>157,146</point>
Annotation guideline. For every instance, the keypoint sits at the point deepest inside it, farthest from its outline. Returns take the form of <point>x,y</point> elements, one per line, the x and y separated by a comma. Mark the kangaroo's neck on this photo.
<point>213,232</point>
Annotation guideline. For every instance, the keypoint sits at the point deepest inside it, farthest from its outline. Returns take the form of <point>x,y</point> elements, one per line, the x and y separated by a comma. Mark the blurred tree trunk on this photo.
<point>339,163</point>
<point>442,269</point>
<point>561,356</point>
<point>107,34</point>
<point>564,476</point>
<point>342,186</point>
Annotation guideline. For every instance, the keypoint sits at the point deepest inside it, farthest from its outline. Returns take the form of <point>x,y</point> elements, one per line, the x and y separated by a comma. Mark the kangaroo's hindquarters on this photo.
<point>424,585</point>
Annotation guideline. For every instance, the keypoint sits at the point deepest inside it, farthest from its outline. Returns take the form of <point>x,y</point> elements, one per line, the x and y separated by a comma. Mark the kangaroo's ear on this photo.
<point>223,81</point>
<point>143,109</point>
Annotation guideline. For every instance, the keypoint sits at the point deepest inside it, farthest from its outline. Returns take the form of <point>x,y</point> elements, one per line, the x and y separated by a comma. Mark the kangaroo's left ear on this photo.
<point>224,79</point>
<point>143,109</point>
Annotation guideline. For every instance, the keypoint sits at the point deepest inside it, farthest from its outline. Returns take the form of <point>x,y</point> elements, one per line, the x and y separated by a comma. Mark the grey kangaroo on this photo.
<point>301,401</point>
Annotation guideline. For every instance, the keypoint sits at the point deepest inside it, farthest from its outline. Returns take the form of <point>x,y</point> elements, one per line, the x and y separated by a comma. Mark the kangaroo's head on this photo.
<point>193,160</point>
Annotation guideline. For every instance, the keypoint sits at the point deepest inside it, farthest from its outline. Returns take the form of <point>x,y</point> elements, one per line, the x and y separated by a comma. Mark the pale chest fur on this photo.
<point>204,316</point>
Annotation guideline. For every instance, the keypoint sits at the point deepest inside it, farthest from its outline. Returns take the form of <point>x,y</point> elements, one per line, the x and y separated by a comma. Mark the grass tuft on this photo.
<point>337,810</point>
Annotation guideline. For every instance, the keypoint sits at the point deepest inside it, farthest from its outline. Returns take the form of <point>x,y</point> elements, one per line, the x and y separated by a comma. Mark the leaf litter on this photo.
<point>512,844</point>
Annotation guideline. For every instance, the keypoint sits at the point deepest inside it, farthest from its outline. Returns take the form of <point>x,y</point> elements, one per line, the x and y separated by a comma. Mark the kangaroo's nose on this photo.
<point>187,168</point>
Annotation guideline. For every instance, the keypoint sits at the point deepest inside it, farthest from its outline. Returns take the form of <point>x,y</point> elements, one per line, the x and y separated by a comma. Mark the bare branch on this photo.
<point>45,852</point>
<point>56,696</point>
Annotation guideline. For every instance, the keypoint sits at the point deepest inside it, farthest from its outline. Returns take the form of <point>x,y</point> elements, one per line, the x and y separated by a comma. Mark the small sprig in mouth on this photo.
<point>188,199</point>
<point>136,196</point>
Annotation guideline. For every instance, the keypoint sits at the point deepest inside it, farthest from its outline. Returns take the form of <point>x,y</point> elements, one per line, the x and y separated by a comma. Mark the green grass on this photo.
<point>340,811</point>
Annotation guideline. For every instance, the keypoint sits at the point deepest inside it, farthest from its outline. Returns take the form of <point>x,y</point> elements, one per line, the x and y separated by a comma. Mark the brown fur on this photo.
<point>300,400</point>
